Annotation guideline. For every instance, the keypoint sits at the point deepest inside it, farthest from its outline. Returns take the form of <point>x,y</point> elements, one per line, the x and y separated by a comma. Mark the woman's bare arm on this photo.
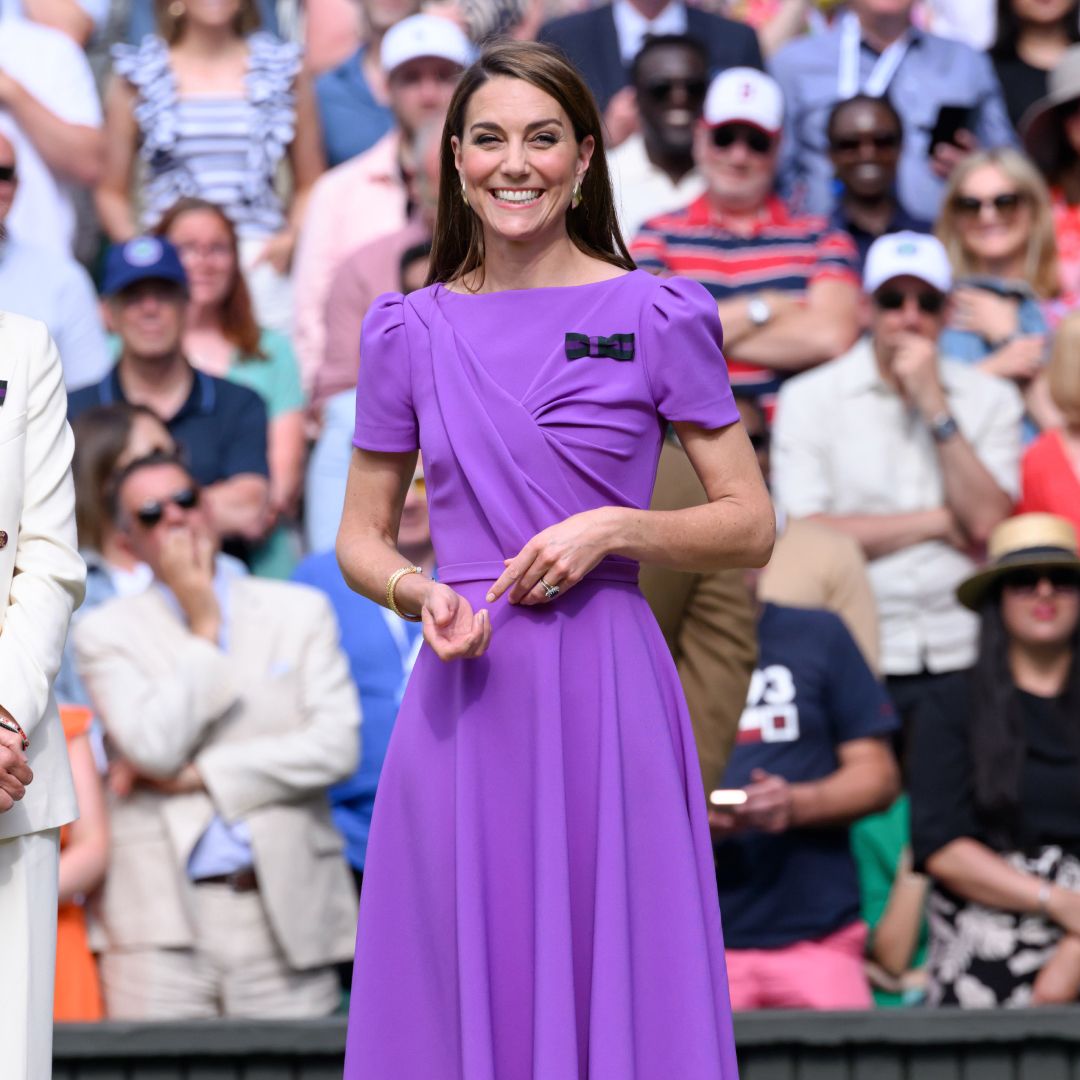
<point>112,196</point>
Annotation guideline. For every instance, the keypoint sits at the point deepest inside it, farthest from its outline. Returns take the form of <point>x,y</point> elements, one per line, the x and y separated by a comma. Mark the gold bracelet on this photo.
<point>391,585</point>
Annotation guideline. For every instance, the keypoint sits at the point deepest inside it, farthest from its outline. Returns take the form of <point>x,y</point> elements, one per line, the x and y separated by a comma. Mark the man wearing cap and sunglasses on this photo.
<point>786,286</point>
<point>228,708</point>
<point>914,456</point>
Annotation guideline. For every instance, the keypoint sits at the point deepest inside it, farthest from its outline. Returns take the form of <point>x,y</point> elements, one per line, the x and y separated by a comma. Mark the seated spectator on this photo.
<point>603,41</point>
<point>84,855</point>
<point>813,565</point>
<point>708,623</point>
<point>865,138</point>
<point>354,108</point>
<point>221,427</point>
<point>918,460</point>
<point>423,57</point>
<point>46,284</point>
<point>1051,131</point>
<point>995,815</point>
<point>1031,39</point>
<point>653,171</point>
<point>811,757</point>
<point>232,714</point>
<point>997,227</point>
<point>212,108</point>
<point>50,112</point>
<point>875,49</point>
<point>1050,470</point>
<point>223,338</point>
<point>382,650</point>
<point>786,286</point>
<point>373,269</point>
<point>107,437</point>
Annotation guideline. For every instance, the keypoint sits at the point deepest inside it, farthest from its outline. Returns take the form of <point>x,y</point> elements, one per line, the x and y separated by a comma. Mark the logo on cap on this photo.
<point>145,251</point>
<point>907,248</point>
<point>747,91</point>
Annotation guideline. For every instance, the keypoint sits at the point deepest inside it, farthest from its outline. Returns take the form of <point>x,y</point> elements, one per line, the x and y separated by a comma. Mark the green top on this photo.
<point>877,843</point>
<point>276,379</point>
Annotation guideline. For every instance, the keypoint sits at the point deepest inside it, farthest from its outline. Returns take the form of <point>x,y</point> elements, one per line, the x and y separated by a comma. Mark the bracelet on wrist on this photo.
<point>391,586</point>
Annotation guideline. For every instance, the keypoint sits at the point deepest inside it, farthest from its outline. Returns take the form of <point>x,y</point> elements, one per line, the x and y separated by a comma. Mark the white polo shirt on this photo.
<point>844,442</point>
<point>642,190</point>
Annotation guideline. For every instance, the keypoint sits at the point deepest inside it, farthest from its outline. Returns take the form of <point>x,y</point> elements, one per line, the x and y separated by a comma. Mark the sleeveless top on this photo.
<point>223,149</point>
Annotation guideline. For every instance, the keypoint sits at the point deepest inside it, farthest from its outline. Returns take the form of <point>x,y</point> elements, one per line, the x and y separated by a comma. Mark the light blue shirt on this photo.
<point>225,847</point>
<point>934,72</point>
<point>42,284</point>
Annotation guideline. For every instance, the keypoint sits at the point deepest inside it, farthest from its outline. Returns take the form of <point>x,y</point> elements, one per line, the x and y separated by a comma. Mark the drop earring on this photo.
<point>464,193</point>
<point>575,196</point>
<point>176,9</point>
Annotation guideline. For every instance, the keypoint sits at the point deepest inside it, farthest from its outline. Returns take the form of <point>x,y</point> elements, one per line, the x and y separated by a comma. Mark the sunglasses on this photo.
<point>7,173</point>
<point>1027,581</point>
<point>1005,205</point>
<point>882,142</point>
<point>930,301</point>
<point>661,91</point>
<point>150,514</point>
<point>756,140</point>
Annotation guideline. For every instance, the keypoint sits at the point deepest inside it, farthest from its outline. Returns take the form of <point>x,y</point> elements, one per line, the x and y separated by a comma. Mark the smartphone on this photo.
<point>727,797</point>
<point>950,120</point>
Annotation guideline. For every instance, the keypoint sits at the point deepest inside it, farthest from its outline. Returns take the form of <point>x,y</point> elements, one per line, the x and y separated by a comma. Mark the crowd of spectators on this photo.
<point>883,199</point>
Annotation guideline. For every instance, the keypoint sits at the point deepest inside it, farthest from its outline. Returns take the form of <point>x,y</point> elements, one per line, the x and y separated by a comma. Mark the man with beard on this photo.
<point>653,171</point>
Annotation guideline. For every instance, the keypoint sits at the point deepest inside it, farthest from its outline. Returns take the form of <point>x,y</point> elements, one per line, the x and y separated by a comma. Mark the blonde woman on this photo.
<point>211,108</point>
<point>997,227</point>
<point>1050,472</point>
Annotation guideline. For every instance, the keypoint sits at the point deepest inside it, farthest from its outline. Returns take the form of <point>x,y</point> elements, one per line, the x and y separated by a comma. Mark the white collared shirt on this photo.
<point>632,27</point>
<point>845,443</point>
<point>643,191</point>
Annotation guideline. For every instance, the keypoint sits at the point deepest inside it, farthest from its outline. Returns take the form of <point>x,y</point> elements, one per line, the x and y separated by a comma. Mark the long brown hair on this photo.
<point>238,322</point>
<point>457,248</point>
<point>1041,260</point>
<point>171,27</point>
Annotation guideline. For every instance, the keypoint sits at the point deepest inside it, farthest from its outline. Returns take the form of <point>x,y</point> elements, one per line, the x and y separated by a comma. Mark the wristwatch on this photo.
<point>758,310</point>
<point>943,427</point>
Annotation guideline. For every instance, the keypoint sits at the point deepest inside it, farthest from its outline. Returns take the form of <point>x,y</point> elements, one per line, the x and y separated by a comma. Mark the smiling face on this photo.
<point>864,147</point>
<point>671,84</point>
<point>206,250</point>
<point>740,174</point>
<point>519,160</point>
<point>994,217</point>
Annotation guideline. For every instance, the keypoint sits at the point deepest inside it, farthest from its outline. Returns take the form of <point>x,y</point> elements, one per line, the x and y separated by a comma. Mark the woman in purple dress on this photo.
<point>539,896</point>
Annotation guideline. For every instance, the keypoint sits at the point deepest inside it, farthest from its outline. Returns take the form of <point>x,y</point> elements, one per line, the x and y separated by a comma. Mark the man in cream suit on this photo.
<point>41,583</point>
<point>229,707</point>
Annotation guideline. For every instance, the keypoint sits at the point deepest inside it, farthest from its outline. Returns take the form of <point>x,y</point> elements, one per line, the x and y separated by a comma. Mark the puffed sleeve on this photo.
<point>682,343</point>
<point>385,419</point>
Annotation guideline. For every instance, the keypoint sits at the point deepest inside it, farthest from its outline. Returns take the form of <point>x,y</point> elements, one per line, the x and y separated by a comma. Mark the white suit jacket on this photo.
<point>270,725</point>
<point>42,576</point>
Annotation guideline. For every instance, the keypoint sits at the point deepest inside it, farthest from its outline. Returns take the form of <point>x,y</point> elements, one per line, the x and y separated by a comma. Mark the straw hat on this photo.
<point>1043,541</point>
<point>1040,126</point>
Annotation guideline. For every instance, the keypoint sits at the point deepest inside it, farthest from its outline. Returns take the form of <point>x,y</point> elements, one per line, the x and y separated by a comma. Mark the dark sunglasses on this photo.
<point>1005,204</point>
<point>930,301</point>
<point>7,173</point>
<point>1027,581</point>
<point>882,141</point>
<point>661,91</point>
<point>760,142</point>
<point>150,514</point>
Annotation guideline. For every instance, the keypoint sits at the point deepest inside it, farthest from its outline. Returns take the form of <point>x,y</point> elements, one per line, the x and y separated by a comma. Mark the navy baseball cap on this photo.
<point>142,259</point>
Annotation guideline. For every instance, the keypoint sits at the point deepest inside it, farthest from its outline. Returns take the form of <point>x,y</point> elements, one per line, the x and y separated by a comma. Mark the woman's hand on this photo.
<point>562,555</point>
<point>982,312</point>
<point>278,251</point>
<point>1058,983</point>
<point>451,627</point>
<point>1020,359</point>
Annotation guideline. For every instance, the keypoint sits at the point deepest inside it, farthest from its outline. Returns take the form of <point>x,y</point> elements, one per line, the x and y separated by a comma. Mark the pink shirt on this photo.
<point>351,205</point>
<point>368,272</point>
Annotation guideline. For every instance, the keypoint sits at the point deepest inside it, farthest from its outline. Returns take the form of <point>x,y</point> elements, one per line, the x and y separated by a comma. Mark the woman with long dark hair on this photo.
<point>539,895</point>
<point>994,772</point>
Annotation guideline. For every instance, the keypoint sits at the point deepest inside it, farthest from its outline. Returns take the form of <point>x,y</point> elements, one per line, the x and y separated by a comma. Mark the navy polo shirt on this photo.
<point>221,427</point>
<point>811,692</point>
<point>352,120</point>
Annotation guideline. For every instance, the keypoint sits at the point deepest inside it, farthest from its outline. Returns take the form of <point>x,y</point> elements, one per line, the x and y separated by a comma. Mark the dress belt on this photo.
<point>609,569</point>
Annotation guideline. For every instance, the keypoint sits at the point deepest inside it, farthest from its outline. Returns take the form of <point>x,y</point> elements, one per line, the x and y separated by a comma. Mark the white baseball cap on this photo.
<point>907,254</point>
<point>424,35</point>
<point>745,95</point>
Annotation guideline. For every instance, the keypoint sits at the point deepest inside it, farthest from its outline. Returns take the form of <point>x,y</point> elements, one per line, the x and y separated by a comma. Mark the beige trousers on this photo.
<point>28,882</point>
<point>236,970</point>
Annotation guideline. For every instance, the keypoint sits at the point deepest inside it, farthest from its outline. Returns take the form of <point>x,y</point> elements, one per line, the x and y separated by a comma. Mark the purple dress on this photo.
<point>539,896</point>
